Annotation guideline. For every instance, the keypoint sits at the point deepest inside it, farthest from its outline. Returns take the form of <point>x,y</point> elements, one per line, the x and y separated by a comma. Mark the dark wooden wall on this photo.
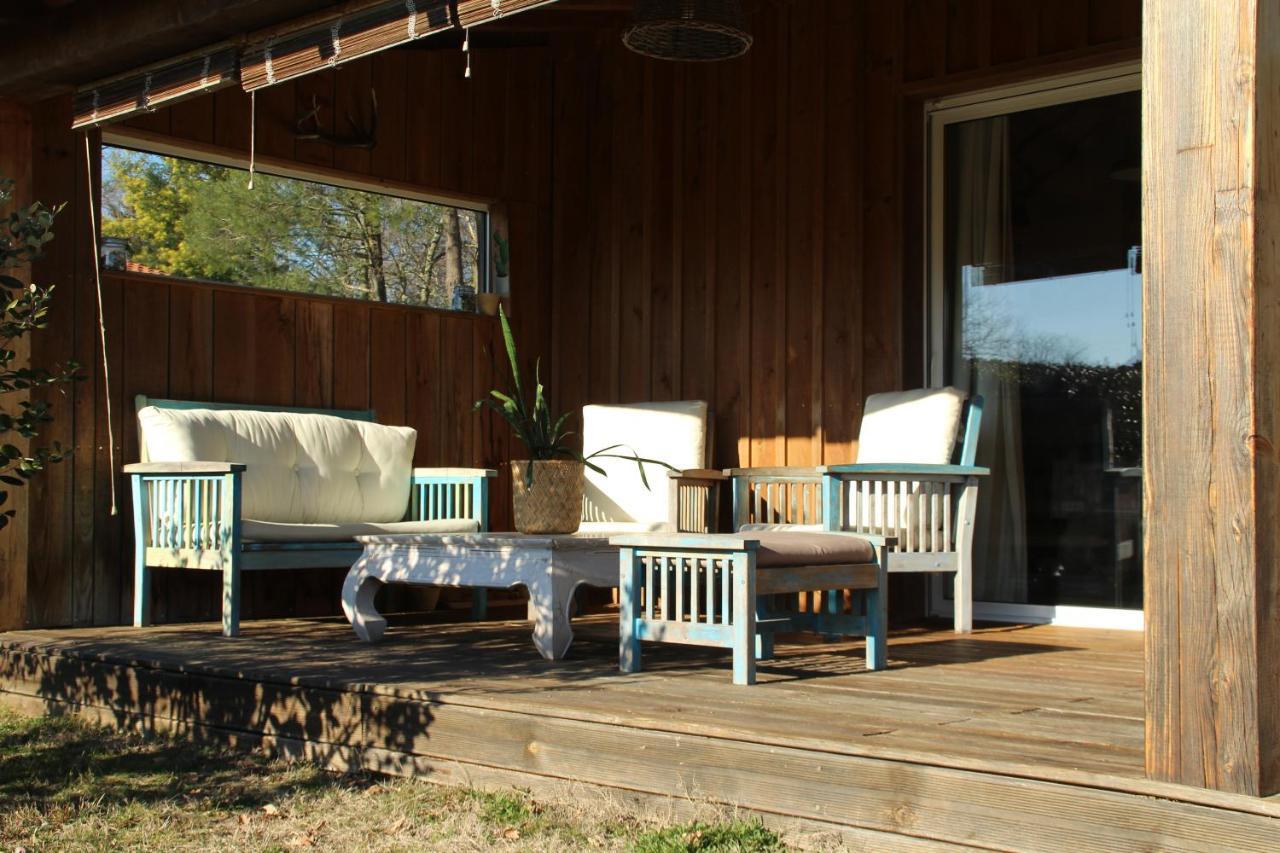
<point>748,233</point>
<point>485,138</point>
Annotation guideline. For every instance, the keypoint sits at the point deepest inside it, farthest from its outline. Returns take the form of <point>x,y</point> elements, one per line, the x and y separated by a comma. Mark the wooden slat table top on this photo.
<point>1038,702</point>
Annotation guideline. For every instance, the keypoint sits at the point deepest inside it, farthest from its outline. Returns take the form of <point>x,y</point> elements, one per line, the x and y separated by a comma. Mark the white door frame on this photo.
<point>1045,92</point>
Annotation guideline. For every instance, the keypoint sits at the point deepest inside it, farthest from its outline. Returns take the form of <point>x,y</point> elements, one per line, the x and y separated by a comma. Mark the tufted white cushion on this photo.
<point>675,433</point>
<point>301,468</point>
<point>911,427</point>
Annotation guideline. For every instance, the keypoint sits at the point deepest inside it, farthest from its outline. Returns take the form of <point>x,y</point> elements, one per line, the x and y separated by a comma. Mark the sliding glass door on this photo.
<point>1036,304</point>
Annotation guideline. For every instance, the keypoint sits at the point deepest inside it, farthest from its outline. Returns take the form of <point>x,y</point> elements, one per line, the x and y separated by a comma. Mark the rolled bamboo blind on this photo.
<point>472,13</point>
<point>154,87</point>
<point>361,28</point>
<point>341,39</point>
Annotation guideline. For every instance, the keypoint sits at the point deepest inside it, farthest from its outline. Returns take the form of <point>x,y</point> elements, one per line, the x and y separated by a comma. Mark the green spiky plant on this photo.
<point>544,435</point>
<point>24,308</point>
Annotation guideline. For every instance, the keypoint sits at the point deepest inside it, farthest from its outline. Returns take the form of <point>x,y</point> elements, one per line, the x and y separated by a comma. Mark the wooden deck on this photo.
<point>1012,738</point>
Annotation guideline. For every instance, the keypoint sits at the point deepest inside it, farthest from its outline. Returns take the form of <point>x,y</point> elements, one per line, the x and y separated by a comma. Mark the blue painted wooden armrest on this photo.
<point>446,493</point>
<point>459,474</point>
<point>905,470</point>
<point>188,510</point>
<point>708,475</point>
<point>781,472</point>
<point>182,469</point>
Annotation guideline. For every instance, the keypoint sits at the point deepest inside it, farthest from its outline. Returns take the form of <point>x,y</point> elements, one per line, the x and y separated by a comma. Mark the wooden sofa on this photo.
<point>235,488</point>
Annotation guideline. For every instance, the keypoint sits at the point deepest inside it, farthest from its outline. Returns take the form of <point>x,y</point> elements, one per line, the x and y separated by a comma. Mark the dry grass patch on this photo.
<point>65,785</point>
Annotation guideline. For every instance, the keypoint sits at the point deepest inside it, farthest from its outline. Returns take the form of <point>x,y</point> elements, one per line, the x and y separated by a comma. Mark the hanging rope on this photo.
<point>253,132</point>
<point>102,322</point>
<point>466,48</point>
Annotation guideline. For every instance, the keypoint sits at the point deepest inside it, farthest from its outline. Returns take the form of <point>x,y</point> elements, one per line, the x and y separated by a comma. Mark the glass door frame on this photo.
<point>988,103</point>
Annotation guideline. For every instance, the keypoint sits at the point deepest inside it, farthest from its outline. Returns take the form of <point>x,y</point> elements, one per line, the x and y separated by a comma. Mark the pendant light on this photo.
<point>688,30</point>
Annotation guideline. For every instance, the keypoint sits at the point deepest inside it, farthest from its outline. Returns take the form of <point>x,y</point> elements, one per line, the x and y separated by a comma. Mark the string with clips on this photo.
<point>466,34</point>
<point>97,264</point>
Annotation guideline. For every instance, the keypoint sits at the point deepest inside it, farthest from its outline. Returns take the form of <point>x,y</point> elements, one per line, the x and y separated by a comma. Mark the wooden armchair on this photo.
<point>915,482</point>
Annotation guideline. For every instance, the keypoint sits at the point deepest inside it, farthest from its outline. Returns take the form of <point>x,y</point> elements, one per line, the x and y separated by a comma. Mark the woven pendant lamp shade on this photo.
<point>688,30</point>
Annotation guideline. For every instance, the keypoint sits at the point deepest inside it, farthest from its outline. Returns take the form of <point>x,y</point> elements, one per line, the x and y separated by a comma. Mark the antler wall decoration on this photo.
<point>307,127</point>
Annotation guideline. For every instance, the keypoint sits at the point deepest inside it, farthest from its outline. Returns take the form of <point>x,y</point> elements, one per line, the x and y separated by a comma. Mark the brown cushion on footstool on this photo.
<point>788,548</point>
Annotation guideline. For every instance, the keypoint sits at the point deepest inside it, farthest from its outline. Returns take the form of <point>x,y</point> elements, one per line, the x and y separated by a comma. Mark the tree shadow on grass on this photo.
<point>57,758</point>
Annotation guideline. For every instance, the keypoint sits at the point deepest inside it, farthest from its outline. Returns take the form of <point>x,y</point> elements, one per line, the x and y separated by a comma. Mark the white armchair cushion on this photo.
<point>607,529</point>
<point>301,468</point>
<point>917,427</point>
<point>911,427</point>
<point>674,433</point>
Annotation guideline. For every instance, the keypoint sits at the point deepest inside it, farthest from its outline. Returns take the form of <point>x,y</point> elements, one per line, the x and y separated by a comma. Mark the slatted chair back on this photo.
<point>923,505</point>
<point>793,496</point>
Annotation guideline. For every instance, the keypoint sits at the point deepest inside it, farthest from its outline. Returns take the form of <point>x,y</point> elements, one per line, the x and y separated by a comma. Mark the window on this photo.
<point>1036,211</point>
<point>198,220</point>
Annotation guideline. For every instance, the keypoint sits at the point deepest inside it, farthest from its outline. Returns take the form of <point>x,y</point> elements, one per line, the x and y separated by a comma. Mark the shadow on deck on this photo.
<point>1019,737</point>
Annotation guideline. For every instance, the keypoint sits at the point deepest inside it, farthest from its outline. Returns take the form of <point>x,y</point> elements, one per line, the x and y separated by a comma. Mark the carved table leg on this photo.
<point>358,592</point>
<point>550,597</point>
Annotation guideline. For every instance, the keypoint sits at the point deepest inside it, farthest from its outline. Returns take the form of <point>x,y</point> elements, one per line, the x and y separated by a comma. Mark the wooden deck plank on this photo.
<point>1014,738</point>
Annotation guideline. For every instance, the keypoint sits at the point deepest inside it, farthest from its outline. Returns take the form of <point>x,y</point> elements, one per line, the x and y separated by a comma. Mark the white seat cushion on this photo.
<point>674,433</point>
<point>605,529</point>
<point>911,427</point>
<point>273,531</point>
<point>302,468</point>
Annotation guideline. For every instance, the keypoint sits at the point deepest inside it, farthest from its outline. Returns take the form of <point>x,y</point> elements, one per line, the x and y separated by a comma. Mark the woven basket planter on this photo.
<point>553,504</point>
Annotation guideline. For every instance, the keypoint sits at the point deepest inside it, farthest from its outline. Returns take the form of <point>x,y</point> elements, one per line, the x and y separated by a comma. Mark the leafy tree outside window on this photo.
<point>199,220</point>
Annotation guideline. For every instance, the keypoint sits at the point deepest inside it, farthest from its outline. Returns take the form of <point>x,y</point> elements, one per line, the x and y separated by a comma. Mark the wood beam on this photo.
<point>15,164</point>
<point>1211,223</point>
<point>69,47</point>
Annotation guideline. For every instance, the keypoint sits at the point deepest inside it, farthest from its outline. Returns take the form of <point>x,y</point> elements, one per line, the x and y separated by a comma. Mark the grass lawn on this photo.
<point>66,785</point>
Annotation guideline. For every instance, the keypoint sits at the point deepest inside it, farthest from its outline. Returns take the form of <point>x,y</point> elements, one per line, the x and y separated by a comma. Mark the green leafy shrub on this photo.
<point>25,309</point>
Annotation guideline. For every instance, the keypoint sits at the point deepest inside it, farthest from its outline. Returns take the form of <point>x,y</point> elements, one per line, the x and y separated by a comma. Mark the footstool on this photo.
<point>734,590</point>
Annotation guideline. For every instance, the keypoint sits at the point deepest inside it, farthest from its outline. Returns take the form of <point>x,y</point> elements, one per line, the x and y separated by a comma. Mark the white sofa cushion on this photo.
<point>302,468</point>
<point>911,427</point>
<point>273,531</point>
<point>674,433</point>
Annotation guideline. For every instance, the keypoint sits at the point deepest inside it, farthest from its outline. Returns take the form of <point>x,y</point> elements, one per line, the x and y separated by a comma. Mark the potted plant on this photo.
<point>547,487</point>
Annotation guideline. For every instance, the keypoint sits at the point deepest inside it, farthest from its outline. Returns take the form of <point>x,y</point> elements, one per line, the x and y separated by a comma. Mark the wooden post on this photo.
<point>15,164</point>
<point>1211,223</point>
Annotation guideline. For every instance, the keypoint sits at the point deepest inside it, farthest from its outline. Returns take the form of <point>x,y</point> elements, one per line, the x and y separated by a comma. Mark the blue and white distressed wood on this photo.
<point>929,510</point>
<point>708,590</point>
<point>187,515</point>
<point>551,568</point>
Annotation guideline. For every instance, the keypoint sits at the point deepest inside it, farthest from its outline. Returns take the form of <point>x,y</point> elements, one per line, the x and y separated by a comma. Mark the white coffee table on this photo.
<point>549,567</point>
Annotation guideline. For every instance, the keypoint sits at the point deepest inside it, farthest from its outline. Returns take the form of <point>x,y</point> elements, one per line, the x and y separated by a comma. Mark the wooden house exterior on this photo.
<point>750,233</point>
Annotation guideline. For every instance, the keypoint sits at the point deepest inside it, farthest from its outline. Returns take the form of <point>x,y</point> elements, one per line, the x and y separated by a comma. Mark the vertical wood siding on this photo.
<point>750,232</point>
<point>745,232</point>
<point>170,339</point>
